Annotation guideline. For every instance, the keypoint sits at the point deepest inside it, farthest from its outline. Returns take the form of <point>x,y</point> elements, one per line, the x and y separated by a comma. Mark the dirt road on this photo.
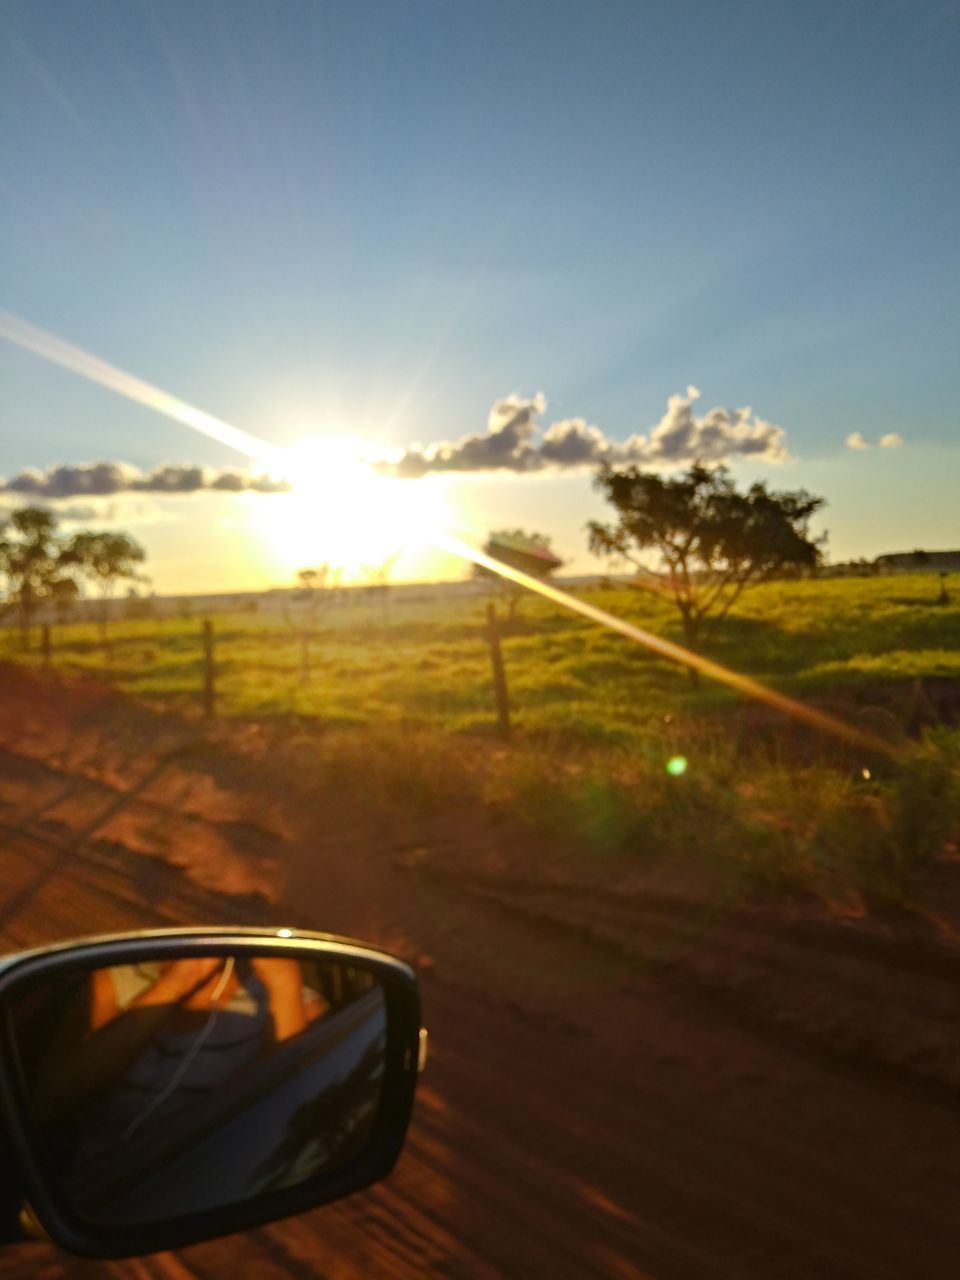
<point>584,1114</point>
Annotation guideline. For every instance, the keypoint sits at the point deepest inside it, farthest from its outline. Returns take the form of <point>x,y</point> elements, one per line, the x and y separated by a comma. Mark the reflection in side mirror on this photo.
<point>167,1087</point>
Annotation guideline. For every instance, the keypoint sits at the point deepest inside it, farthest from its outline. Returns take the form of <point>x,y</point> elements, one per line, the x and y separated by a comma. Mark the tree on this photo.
<point>378,583</point>
<point>315,592</point>
<point>531,553</point>
<point>64,594</point>
<point>712,542</point>
<point>136,606</point>
<point>105,559</point>
<point>32,561</point>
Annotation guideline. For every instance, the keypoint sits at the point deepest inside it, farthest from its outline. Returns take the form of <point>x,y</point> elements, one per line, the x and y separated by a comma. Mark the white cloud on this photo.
<point>892,440</point>
<point>101,479</point>
<point>510,441</point>
<point>856,441</point>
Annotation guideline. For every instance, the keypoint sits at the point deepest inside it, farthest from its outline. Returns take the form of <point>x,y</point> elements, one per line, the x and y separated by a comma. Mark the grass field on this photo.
<point>407,705</point>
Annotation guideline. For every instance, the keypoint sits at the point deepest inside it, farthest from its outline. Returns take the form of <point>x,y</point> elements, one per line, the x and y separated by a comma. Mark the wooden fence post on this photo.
<point>46,645</point>
<point>209,685</point>
<point>499,675</point>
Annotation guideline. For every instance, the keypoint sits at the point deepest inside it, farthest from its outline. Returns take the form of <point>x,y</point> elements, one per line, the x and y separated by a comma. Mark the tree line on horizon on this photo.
<point>711,542</point>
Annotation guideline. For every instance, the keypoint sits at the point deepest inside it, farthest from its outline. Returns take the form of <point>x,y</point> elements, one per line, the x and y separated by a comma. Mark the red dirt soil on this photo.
<point>621,1084</point>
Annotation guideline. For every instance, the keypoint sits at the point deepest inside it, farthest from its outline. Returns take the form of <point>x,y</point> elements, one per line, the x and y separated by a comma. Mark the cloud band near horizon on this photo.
<point>511,443</point>
<point>104,479</point>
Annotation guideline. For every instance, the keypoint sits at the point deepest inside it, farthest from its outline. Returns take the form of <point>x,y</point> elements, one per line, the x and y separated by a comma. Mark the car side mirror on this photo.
<point>161,1088</point>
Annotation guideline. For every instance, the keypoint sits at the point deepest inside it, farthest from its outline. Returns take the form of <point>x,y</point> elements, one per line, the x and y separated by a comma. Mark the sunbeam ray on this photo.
<point>674,652</point>
<point>32,338</point>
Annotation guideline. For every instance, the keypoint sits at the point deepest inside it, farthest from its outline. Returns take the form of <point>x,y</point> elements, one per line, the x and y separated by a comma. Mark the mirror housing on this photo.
<point>387,1005</point>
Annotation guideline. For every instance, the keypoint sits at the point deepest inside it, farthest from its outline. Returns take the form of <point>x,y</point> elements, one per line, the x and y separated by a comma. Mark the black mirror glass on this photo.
<point>173,1087</point>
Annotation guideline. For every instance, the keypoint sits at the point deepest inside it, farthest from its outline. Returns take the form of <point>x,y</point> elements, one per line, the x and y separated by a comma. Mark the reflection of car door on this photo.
<point>203,1150</point>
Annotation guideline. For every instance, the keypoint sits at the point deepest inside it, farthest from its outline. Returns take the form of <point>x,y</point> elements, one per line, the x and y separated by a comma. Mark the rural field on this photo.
<point>596,719</point>
<point>690,970</point>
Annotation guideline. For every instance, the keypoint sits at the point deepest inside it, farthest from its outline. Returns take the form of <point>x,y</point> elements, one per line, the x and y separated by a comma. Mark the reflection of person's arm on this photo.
<point>116,1036</point>
<point>66,1082</point>
<point>179,980</point>
<point>284,984</point>
<point>103,999</point>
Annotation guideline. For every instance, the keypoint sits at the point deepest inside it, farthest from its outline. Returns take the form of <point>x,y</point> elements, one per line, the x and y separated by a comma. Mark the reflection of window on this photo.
<point>334,1123</point>
<point>338,983</point>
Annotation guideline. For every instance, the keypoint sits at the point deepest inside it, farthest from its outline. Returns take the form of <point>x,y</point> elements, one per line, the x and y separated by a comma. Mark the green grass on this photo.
<point>596,718</point>
<point>430,667</point>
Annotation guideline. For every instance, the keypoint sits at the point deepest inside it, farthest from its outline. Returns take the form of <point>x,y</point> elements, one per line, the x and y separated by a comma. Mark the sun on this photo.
<point>342,511</point>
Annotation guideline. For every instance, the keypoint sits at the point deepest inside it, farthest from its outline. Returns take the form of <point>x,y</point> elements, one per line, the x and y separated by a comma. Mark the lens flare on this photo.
<point>677,653</point>
<point>54,349</point>
<point>676,766</point>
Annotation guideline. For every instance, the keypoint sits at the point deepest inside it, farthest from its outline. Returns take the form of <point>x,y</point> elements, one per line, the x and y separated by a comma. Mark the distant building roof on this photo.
<point>517,546</point>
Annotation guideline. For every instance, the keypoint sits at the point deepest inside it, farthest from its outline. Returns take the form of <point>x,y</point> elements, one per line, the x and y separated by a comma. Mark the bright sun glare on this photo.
<point>341,511</point>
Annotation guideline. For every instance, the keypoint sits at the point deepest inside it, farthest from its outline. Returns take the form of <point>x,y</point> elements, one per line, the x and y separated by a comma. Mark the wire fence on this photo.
<point>205,649</point>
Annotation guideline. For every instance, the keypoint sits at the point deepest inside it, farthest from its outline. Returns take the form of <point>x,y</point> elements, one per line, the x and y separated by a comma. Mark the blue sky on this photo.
<point>377,219</point>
